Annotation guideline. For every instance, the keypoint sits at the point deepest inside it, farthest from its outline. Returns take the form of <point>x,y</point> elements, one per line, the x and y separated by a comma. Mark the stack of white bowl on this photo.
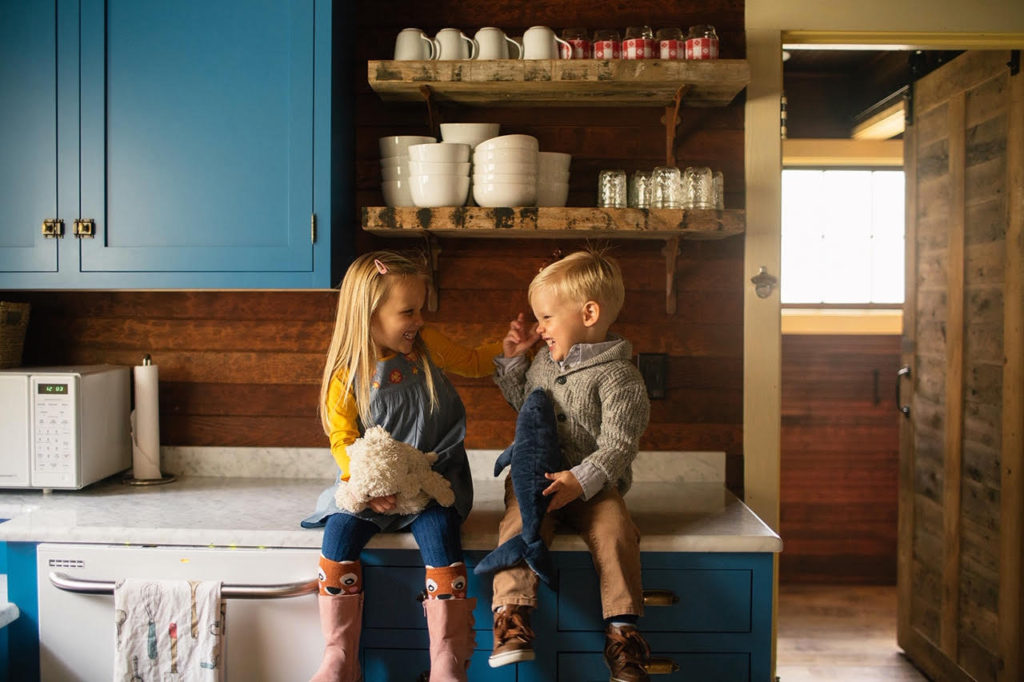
<point>439,174</point>
<point>505,171</point>
<point>552,178</point>
<point>471,134</point>
<point>394,167</point>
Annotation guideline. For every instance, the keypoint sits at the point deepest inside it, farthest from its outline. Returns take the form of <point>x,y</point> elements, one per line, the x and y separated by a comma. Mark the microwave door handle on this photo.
<point>62,581</point>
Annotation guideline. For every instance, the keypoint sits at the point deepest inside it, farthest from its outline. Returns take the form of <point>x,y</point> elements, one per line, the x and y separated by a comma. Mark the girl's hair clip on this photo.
<point>381,268</point>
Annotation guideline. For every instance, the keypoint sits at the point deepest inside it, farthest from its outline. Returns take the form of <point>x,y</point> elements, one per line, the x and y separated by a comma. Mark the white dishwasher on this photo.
<point>272,629</point>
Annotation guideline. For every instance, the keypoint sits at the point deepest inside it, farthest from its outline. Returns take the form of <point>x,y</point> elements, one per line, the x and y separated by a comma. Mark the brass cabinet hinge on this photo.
<point>312,229</point>
<point>53,228</point>
<point>85,227</point>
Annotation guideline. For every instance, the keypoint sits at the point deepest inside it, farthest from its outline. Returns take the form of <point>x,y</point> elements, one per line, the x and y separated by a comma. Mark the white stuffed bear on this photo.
<point>379,466</point>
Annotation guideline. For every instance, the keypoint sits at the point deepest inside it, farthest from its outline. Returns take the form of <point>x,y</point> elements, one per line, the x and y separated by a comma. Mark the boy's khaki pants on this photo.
<point>605,525</point>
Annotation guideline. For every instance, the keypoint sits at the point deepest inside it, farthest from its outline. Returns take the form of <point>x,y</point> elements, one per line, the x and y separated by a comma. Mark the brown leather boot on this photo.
<point>625,653</point>
<point>452,638</point>
<point>513,637</point>
<point>341,619</point>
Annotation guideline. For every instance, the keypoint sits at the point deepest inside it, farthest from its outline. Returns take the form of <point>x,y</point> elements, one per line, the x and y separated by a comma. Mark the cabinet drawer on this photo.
<point>710,600</point>
<point>391,598</point>
<point>405,665</point>
<point>693,667</point>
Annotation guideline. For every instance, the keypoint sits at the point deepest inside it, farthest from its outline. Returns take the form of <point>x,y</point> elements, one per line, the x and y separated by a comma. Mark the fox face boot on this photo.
<point>449,622</point>
<point>341,620</point>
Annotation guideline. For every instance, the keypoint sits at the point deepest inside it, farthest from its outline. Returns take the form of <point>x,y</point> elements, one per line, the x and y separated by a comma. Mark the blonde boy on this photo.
<point>602,410</point>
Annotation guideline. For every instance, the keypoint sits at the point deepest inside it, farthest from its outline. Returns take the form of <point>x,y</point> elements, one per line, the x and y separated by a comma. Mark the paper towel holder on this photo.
<point>128,479</point>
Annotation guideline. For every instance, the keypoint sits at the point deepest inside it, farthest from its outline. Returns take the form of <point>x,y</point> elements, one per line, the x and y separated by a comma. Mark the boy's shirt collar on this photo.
<point>582,352</point>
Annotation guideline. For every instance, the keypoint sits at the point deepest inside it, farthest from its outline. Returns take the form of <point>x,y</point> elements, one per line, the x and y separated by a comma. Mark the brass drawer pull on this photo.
<point>661,666</point>
<point>660,598</point>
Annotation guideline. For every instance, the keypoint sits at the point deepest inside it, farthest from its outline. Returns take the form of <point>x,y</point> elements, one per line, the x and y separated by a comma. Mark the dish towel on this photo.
<point>168,630</point>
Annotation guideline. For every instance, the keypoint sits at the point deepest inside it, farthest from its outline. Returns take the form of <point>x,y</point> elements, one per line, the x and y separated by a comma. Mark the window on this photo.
<point>842,237</point>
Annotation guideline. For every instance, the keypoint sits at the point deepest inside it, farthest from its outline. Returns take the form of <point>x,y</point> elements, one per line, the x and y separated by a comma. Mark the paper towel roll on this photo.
<point>146,423</point>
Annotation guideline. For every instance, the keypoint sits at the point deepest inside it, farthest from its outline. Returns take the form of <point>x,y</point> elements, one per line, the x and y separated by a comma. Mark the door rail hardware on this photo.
<point>65,582</point>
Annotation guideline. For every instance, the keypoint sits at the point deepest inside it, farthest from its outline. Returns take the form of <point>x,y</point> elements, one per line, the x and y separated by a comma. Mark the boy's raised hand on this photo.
<point>564,489</point>
<point>520,337</point>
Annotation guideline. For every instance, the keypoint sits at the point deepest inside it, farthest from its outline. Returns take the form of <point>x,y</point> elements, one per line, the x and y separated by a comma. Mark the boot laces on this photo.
<point>628,648</point>
<point>511,624</point>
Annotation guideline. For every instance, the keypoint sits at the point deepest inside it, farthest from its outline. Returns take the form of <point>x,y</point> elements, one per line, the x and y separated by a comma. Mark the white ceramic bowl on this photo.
<point>560,176</point>
<point>395,145</point>
<point>431,191</point>
<point>392,161</point>
<point>397,192</point>
<point>440,152</point>
<point>491,194</point>
<point>509,155</point>
<point>395,173</point>
<point>439,168</point>
<point>469,133</point>
<point>553,162</point>
<point>552,193</point>
<point>510,142</point>
<point>514,178</point>
<point>507,167</point>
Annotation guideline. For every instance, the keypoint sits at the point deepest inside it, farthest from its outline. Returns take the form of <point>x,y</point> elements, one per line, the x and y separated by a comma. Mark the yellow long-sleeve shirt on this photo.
<point>343,415</point>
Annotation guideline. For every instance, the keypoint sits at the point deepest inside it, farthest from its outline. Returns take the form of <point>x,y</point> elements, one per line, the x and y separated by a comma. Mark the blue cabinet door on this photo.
<point>198,139</point>
<point>28,135</point>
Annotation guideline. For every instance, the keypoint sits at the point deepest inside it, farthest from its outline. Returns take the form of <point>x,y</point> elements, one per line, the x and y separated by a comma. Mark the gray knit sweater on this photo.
<point>601,406</point>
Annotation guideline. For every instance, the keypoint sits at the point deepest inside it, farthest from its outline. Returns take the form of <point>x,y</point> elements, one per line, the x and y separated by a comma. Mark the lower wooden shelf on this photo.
<point>669,225</point>
<point>553,222</point>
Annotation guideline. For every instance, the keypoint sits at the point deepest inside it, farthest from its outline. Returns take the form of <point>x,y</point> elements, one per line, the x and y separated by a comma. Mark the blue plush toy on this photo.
<point>534,452</point>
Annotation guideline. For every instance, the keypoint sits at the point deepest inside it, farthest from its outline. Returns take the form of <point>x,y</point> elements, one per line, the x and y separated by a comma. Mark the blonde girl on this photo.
<point>384,368</point>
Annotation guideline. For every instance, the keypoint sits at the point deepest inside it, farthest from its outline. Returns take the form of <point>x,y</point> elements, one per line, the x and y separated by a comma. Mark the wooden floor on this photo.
<point>844,633</point>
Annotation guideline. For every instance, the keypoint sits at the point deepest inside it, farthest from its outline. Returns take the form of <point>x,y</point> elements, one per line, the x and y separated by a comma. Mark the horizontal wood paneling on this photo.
<point>839,455</point>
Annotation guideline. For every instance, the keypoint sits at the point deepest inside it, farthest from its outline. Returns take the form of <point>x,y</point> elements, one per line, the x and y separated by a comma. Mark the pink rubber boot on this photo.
<point>452,638</point>
<point>341,619</point>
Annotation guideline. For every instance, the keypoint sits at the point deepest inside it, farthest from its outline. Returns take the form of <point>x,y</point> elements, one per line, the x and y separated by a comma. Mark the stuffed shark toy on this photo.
<point>534,452</point>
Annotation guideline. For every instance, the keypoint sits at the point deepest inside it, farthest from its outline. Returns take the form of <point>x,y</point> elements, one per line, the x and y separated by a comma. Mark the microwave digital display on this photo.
<point>53,389</point>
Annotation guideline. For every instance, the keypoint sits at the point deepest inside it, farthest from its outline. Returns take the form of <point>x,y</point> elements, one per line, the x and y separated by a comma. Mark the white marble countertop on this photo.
<point>265,512</point>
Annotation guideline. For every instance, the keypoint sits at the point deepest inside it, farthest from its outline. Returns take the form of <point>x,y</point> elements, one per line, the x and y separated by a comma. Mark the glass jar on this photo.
<point>702,42</point>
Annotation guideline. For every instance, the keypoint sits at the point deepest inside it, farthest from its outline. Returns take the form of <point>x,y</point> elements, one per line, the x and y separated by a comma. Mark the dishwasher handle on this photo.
<point>62,581</point>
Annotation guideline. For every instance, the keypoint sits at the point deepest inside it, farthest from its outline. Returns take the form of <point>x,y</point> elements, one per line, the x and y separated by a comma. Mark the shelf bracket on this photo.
<point>432,248</point>
<point>671,253</point>
<point>672,122</point>
<point>432,118</point>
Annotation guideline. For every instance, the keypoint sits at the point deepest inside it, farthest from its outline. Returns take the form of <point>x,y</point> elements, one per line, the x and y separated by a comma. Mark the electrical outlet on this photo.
<point>654,368</point>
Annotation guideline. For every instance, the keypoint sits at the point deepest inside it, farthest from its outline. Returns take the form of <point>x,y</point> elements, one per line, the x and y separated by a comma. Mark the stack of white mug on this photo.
<point>490,42</point>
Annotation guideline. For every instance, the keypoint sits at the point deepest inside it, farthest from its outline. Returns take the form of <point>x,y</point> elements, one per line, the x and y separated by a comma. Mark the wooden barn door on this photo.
<point>961,443</point>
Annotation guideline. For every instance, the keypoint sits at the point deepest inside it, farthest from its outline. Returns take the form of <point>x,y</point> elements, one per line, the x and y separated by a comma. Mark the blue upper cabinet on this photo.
<point>192,138</point>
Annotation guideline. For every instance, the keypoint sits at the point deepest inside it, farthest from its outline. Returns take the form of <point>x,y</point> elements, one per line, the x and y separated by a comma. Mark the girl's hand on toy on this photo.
<point>520,337</point>
<point>564,489</point>
<point>382,505</point>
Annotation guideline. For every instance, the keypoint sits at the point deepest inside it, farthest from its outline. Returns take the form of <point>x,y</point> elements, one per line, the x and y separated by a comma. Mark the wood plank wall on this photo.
<point>839,458</point>
<point>241,368</point>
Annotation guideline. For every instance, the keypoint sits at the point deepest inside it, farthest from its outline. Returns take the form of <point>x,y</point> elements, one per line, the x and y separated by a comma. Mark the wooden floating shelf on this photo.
<point>669,225</point>
<point>562,82</point>
<point>553,223</point>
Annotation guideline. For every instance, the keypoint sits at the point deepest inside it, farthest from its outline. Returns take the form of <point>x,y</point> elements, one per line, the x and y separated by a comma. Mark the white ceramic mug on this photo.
<point>540,42</point>
<point>492,43</point>
<point>452,43</point>
<point>413,44</point>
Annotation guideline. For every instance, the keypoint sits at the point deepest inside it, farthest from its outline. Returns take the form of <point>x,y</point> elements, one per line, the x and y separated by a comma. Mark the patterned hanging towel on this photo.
<point>168,630</point>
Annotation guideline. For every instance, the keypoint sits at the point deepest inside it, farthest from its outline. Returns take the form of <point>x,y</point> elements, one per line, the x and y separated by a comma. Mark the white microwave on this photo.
<point>63,427</point>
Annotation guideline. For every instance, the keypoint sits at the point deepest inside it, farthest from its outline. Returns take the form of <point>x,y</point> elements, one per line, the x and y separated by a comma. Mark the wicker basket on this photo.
<point>13,323</point>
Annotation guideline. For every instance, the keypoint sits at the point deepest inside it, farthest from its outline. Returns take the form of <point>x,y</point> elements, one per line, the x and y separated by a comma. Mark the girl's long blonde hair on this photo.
<point>352,353</point>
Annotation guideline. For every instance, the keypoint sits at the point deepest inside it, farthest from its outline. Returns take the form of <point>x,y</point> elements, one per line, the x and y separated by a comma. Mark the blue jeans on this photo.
<point>437,531</point>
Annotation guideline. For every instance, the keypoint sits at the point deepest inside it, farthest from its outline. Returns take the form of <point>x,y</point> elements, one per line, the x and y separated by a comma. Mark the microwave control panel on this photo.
<point>54,430</point>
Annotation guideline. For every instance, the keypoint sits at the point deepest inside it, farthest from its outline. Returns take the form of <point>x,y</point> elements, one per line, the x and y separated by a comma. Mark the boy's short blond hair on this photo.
<point>584,276</point>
